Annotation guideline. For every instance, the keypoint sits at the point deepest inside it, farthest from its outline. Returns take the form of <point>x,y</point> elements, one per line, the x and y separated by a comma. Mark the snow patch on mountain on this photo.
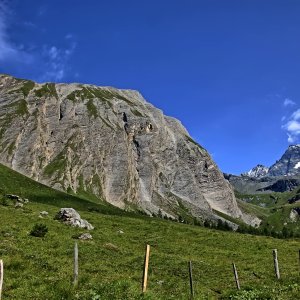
<point>258,171</point>
<point>297,166</point>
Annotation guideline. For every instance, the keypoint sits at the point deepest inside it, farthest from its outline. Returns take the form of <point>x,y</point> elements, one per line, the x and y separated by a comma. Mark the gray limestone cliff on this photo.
<point>110,143</point>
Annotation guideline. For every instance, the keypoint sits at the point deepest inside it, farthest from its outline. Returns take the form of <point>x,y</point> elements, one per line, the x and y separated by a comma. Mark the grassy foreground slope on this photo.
<point>111,264</point>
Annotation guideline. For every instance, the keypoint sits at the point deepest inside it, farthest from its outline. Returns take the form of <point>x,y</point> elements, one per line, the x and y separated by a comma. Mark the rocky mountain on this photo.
<point>267,184</point>
<point>283,175</point>
<point>110,143</point>
<point>257,172</point>
<point>288,164</point>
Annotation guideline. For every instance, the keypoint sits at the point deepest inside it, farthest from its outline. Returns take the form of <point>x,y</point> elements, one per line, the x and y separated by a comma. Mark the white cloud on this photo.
<point>53,52</point>
<point>57,61</point>
<point>292,127</point>
<point>6,48</point>
<point>288,102</point>
<point>45,62</point>
<point>9,51</point>
<point>290,139</point>
<point>296,115</point>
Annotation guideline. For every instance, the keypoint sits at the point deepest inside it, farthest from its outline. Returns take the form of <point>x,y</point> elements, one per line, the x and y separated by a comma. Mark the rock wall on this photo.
<point>110,143</point>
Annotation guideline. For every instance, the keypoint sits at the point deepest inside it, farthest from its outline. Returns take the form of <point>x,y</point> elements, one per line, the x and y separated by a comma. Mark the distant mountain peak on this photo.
<point>288,164</point>
<point>257,172</point>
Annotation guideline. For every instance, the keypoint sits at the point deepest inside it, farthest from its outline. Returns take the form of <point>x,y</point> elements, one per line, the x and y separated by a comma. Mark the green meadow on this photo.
<point>111,265</point>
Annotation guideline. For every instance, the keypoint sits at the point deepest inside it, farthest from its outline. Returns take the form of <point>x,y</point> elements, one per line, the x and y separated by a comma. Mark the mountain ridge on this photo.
<point>283,175</point>
<point>287,165</point>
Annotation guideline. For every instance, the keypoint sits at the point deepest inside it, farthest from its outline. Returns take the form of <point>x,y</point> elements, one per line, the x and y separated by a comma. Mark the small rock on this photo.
<point>294,215</point>
<point>25,200</point>
<point>71,217</point>
<point>120,231</point>
<point>19,205</point>
<point>85,236</point>
<point>44,213</point>
<point>111,246</point>
<point>13,197</point>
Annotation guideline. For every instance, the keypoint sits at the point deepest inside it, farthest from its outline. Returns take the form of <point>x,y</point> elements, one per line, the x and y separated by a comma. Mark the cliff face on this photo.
<point>110,143</point>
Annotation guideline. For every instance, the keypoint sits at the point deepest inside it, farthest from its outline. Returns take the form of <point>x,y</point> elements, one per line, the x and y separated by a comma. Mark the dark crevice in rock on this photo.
<point>126,127</point>
<point>125,118</point>
<point>137,146</point>
<point>60,114</point>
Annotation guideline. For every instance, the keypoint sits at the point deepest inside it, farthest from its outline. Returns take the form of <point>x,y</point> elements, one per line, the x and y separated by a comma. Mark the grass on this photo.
<point>12,182</point>
<point>57,165</point>
<point>21,108</point>
<point>25,88</point>
<point>92,109</point>
<point>47,89</point>
<point>110,265</point>
<point>98,94</point>
<point>273,208</point>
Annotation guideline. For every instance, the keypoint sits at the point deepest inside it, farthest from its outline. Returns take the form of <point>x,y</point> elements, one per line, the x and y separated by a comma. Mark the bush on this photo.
<point>39,230</point>
<point>4,201</point>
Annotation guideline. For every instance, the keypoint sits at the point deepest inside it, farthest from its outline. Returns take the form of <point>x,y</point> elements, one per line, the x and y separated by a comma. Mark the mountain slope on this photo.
<point>11,182</point>
<point>110,143</point>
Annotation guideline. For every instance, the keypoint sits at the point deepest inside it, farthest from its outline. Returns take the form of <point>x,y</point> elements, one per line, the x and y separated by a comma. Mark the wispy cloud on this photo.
<point>292,127</point>
<point>41,10</point>
<point>8,50</point>
<point>57,60</point>
<point>288,102</point>
<point>46,62</point>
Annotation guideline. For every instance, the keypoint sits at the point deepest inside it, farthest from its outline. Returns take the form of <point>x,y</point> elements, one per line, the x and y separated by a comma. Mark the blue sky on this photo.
<point>229,70</point>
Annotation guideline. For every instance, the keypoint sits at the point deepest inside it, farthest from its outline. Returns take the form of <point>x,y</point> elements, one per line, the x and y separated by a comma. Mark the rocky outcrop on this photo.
<point>110,143</point>
<point>85,236</point>
<point>71,217</point>
<point>17,198</point>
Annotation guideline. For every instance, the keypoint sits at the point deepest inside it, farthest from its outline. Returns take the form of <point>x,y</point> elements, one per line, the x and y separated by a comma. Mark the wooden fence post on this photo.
<point>236,277</point>
<point>75,281</point>
<point>146,264</point>
<point>1,277</point>
<point>276,268</point>
<point>191,279</point>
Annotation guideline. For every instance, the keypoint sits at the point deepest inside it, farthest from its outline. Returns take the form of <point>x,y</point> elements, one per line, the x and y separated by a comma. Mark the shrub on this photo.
<point>4,201</point>
<point>39,230</point>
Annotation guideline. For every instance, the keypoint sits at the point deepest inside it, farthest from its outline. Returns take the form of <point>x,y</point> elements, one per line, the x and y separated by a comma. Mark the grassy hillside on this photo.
<point>273,208</point>
<point>111,264</point>
<point>12,182</point>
